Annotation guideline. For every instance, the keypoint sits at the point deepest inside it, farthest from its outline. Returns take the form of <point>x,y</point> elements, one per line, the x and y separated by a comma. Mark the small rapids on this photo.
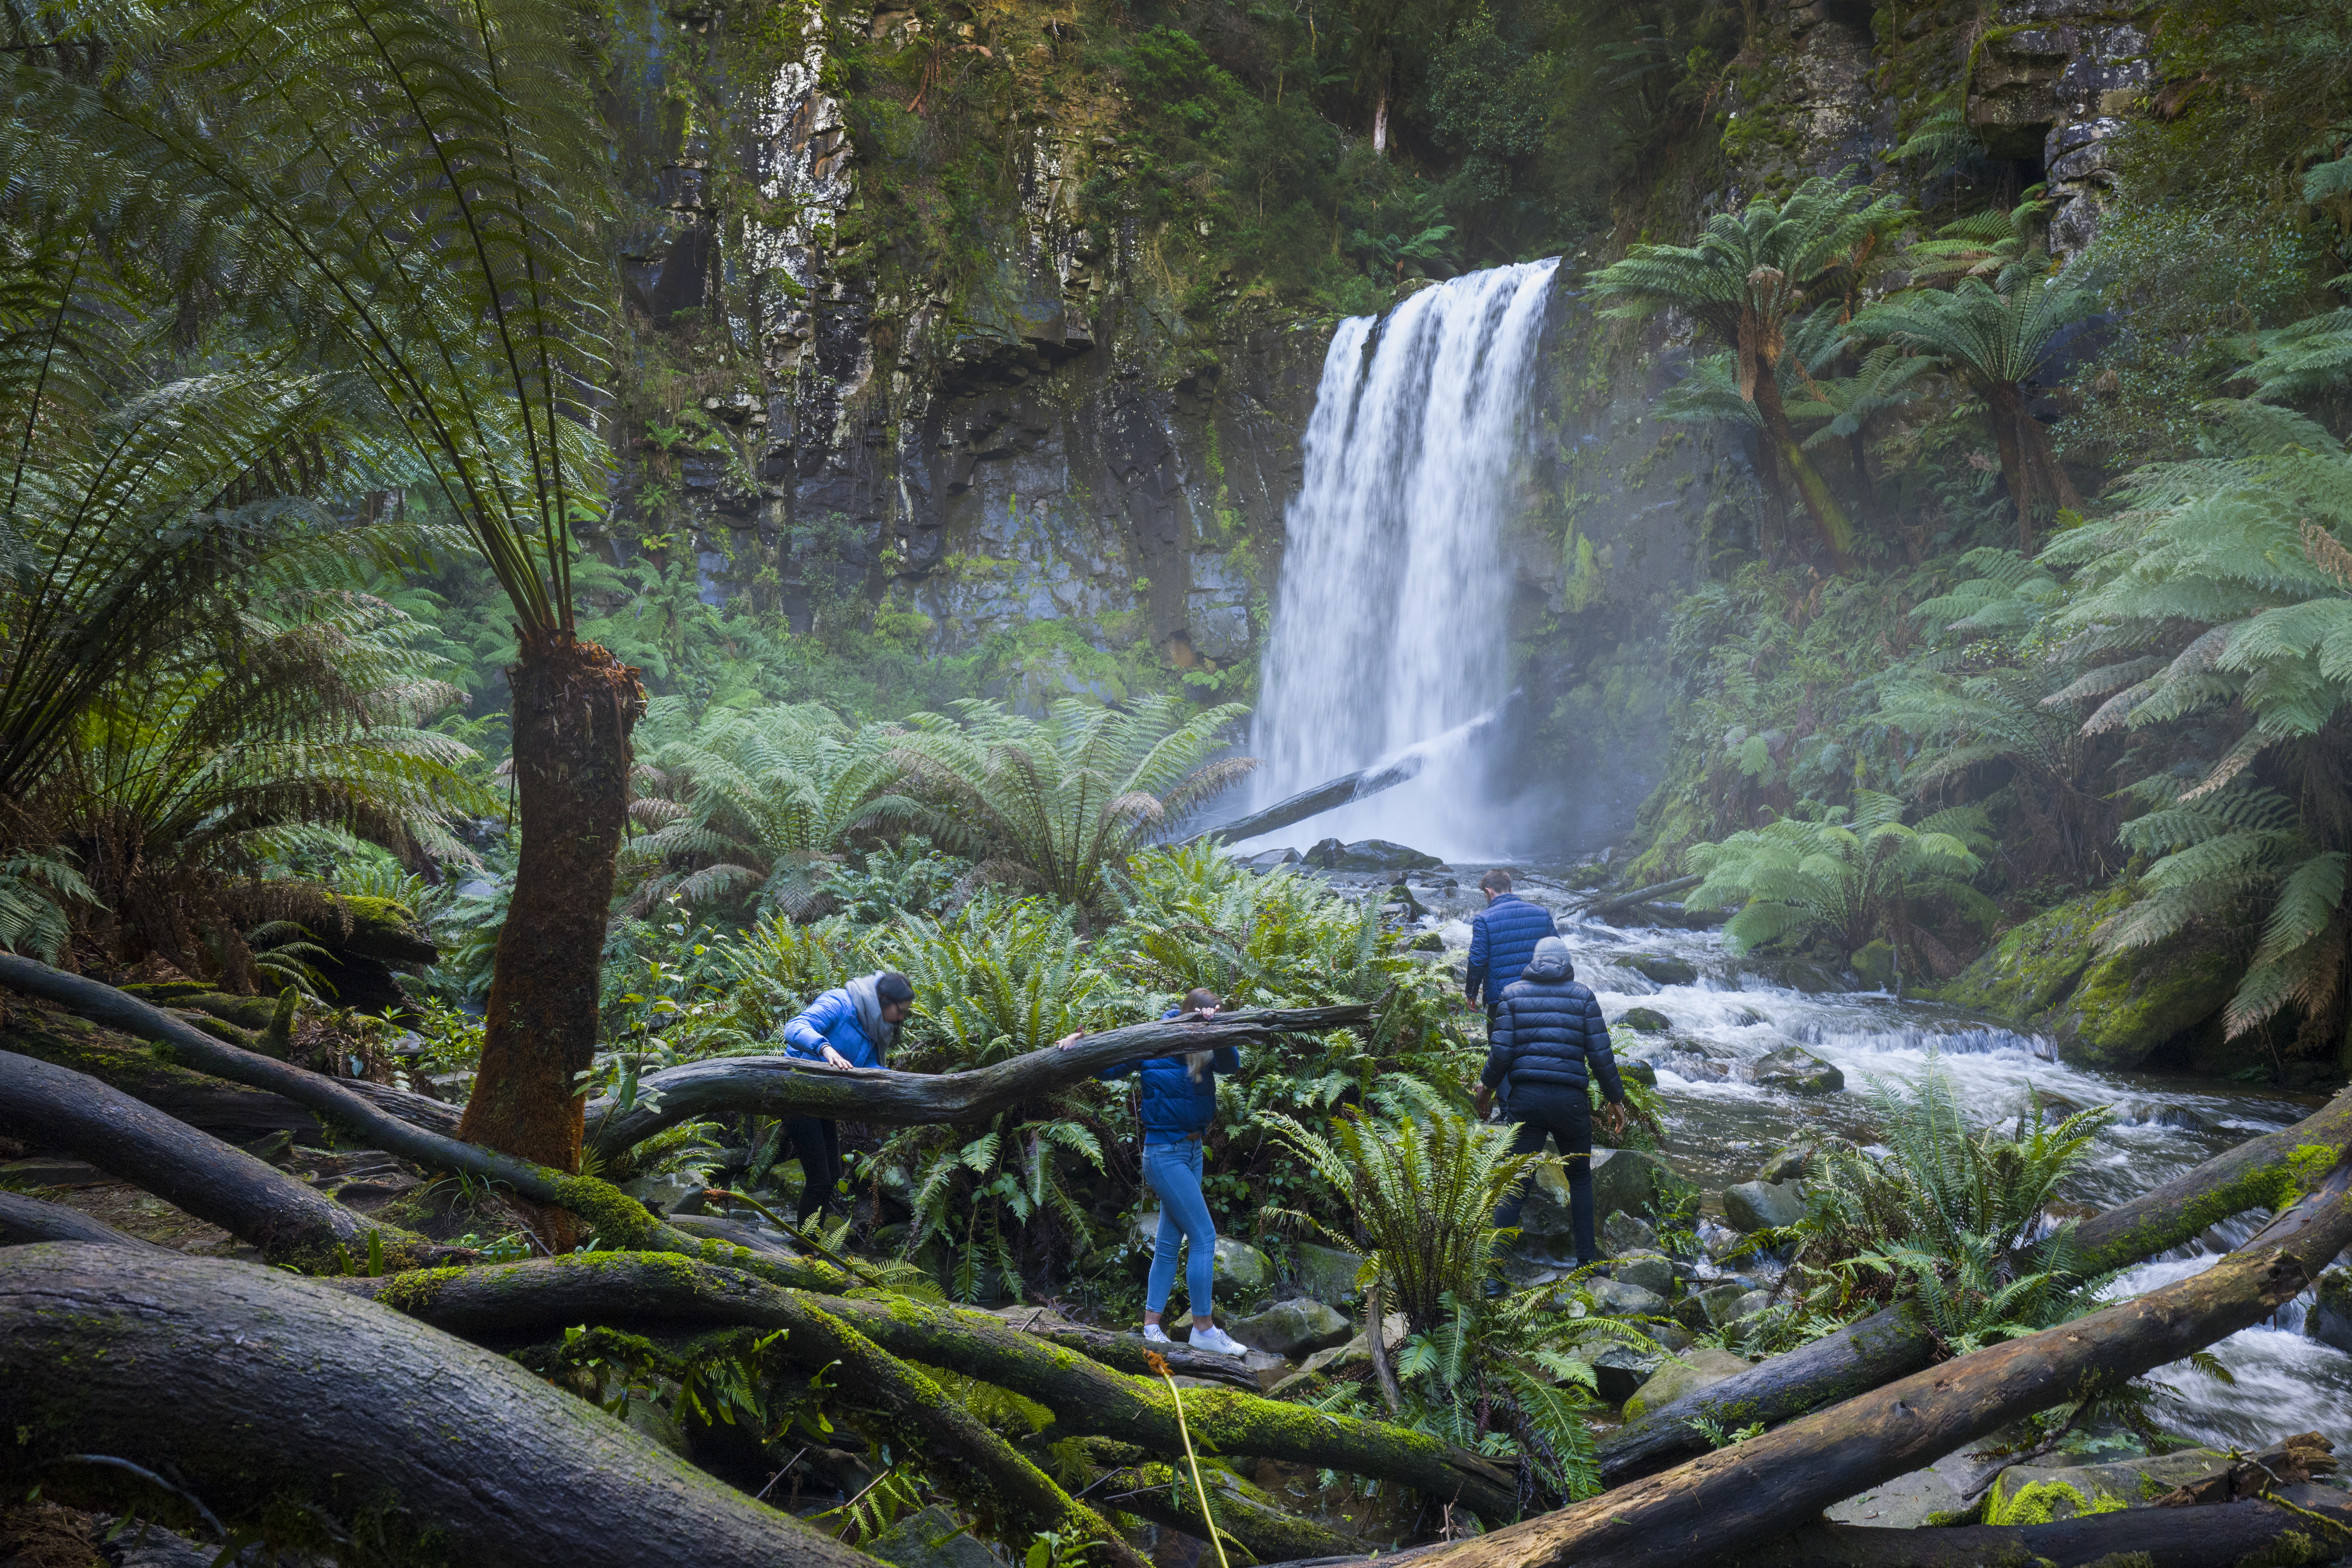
<point>1721,1127</point>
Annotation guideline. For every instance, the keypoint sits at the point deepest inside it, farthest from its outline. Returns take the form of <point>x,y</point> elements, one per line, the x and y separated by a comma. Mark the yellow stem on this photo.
<point>1199,1490</point>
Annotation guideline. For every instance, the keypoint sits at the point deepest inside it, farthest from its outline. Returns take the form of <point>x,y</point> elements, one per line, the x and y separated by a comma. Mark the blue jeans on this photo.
<point>1173,1171</point>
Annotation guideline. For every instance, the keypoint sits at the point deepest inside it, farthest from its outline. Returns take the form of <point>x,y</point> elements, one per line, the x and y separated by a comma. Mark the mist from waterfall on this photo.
<point>1391,624</point>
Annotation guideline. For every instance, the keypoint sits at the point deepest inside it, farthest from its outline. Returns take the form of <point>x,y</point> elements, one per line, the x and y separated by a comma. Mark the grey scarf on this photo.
<point>868,1000</point>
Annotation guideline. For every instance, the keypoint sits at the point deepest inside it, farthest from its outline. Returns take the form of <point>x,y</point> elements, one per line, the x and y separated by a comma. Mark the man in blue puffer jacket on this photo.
<point>853,1025</point>
<point>1548,1040</point>
<point>1502,936</point>
<point>1179,1105</point>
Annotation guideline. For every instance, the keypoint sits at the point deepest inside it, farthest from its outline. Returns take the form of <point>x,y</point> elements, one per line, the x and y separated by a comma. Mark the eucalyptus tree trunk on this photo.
<point>574,706</point>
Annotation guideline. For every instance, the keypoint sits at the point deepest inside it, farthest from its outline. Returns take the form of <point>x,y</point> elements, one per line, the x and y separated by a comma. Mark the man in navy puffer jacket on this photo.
<point>1547,1041</point>
<point>1502,936</point>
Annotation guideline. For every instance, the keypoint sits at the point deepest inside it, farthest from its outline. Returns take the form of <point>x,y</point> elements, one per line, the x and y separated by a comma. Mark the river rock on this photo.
<point>1874,965</point>
<point>1785,1166</point>
<point>1758,1205</point>
<point>1291,1329</point>
<point>1632,1181</point>
<point>1793,1069</point>
<point>1378,855</point>
<point>2038,1494</point>
<point>1691,1371</point>
<point>1660,968</point>
<point>1268,859</point>
<point>2330,1321</point>
<point>1324,855</point>
<point>1242,1268</point>
<point>1714,1303</point>
<point>1653,1271</point>
<point>930,1538</point>
<point>1616,1298</point>
<point>1328,1273</point>
<point>1747,1305</point>
<point>1645,1020</point>
<point>1619,1370</point>
<point>1622,1233</point>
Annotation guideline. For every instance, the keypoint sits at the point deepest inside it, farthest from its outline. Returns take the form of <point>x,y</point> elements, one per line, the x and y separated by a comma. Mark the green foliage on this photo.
<point>1061,799</point>
<point>1851,875</point>
<point>758,804</point>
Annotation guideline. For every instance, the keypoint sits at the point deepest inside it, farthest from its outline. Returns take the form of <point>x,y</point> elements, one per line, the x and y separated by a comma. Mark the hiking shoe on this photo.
<point>1217,1339</point>
<point>1153,1334</point>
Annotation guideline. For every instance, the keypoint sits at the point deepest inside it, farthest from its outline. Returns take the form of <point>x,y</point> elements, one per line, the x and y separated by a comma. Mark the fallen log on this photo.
<point>1890,1344</point>
<point>254,1390</point>
<point>787,1086</point>
<point>24,1221</point>
<point>1717,1505</point>
<point>229,1112</point>
<point>510,1300</point>
<point>1328,795</point>
<point>620,1220</point>
<point>254,1200</point>
<point>1246,1516</point>
<point>2313,1525</point>
<point>1639,896</point>
<point>915,1416</point>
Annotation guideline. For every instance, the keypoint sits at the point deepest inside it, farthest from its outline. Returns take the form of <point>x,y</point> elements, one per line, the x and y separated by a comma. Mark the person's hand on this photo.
<point>1072,1039</point>
<point>1482,1100</point>
<point>1615,1117</point>
<point>835,1058</point>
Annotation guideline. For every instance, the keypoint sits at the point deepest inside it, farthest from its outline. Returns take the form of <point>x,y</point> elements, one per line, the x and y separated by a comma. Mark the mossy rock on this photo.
<point>1645,1020</point>
<point>2330,1321</point>
<point>2034,1494</point>
<point>2103,1011</point>
<point>1687,1373</point>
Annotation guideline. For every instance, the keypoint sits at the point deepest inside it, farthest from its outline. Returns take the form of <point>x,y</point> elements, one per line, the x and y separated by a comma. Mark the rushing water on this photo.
<point>1390,628</point>
<point>1722,1127</point>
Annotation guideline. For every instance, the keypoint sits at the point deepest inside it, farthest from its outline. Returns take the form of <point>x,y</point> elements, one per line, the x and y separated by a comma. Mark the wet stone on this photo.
<point>1652,1271</point>
<point>1759,1205</point>
<point>1795,1070</point>
<point>1645,1020</point>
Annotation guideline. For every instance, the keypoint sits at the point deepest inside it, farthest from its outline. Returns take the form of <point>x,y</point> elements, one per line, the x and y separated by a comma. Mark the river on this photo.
<point>1721,1127</point>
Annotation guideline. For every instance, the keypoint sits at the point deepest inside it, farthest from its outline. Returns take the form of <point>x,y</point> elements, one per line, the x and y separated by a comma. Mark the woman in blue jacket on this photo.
<point>1180,1104</point>
<point>853,1026</point>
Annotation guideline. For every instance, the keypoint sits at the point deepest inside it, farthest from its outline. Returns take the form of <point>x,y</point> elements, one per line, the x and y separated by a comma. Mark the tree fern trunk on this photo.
<point>2009,422</point>
<point>1829,517</point>
<point>574,705</point>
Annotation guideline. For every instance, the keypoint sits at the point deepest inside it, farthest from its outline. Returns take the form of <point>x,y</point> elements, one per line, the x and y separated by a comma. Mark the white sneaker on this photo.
<point>1153,1334</point>
<point>1217,1339</point>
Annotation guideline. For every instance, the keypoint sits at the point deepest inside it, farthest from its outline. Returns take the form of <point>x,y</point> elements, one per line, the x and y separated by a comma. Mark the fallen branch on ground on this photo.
<point>391,1438</point>
<point>24,1221</point>
<point>787,1086</point>
<point>1762,1489</point>
<point>1890,1344</point>
<point>513,1300</point>
<point>1249,1517</point>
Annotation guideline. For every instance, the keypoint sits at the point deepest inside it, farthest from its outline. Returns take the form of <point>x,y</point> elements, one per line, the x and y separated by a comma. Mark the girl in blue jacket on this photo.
<point>1180,1104</point>
<point>853,1026</point>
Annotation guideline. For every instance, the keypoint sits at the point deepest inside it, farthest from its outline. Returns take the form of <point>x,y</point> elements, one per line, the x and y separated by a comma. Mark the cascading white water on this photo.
<point>1391,624</point>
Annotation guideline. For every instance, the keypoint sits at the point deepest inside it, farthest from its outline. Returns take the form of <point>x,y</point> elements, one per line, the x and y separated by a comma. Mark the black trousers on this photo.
<point>816,1142</point>
<point>1566,1115</point>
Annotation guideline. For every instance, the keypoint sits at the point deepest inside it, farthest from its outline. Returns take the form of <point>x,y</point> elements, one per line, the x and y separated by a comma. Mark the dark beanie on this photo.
<point>894,987</point>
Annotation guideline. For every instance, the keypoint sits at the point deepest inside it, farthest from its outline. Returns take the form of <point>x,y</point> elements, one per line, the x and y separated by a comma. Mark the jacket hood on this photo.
<point>1550,963</point>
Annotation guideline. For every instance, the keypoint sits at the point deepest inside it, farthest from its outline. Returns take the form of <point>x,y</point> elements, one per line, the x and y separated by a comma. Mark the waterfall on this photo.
<point>1393,622</point>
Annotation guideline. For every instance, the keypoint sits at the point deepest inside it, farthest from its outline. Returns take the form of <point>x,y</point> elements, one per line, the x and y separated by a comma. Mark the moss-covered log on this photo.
<point>25,1220</point>
<point>2316,1527</point>
<point>227,1110</point>
<point>620,1221</point>
<point>517,1300</point>
<point>1714,1508</point>
<point>786,1086</point>
<point>1246,1516</point>
<point>2257,1175</point>
<point>195,1171</point>
<point>311,1414</point>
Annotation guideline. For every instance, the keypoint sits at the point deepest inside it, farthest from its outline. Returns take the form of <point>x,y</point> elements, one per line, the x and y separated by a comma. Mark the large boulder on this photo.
<point>1621,1233</point>
<point>1762,1205</point>
<point>2330,1321</point>
<point>1328,1273</point>
<point>2037,1494</point>
<point>1633,1180</point>
<point>2103,1010</point>
<point>1373,854</point>
<point>1792,1069</point>
<point>1653,1271</point>
<point>1241,1270</point>
<point>1619,1370</point>
<point>1660,968</point>
<point>1291,1329</point>
<point>1645,1020</point>
<point>1617,1299</point>
<point>1686,1373</point>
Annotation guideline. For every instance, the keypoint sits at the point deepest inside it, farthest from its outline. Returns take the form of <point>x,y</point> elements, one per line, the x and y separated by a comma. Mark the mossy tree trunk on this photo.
<point>574,706</point>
